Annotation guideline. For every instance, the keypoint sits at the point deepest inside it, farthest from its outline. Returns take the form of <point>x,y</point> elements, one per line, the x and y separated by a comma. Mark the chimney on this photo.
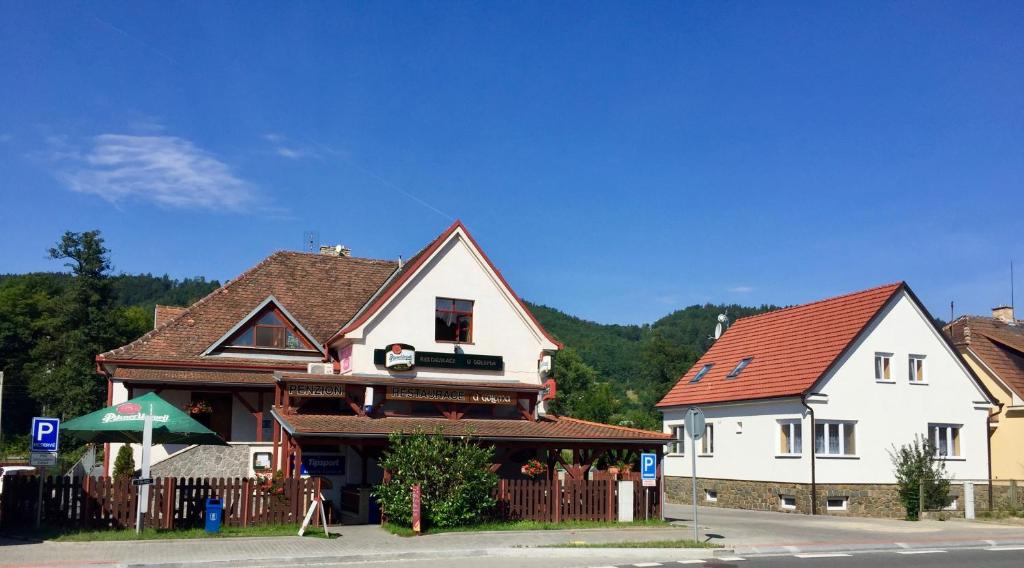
<point>335,250</point>
<point>1003,314</point>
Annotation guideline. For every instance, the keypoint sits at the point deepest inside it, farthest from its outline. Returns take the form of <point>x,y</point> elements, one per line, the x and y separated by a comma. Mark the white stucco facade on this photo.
<point>747,435</point>
<point>457,270</point>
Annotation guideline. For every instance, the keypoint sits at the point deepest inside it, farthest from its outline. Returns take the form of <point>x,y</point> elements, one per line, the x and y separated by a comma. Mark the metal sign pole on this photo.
<point>693,472</point>
<point>147,443</point>
<point>39,501</point>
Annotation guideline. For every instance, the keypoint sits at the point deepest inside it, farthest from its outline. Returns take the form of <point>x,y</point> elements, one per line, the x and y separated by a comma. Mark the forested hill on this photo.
<point>616,373</point>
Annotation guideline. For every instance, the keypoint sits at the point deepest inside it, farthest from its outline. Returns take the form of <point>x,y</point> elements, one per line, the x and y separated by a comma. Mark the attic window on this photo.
<point>739,367</point>
<point>269,330</point>
<point>703,371</point>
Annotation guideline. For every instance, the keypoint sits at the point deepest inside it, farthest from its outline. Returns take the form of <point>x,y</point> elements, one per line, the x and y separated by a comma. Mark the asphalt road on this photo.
<point>992,557</point>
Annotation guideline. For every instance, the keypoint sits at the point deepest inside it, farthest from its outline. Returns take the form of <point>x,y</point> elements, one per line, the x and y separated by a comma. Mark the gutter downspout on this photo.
<point>988,438</point>
<point>814,482</point>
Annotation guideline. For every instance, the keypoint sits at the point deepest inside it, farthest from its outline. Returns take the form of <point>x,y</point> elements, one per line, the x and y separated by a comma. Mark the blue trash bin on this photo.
<point>214,512</point>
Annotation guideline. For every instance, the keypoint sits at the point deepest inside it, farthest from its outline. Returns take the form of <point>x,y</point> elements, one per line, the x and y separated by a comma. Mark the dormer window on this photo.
<point>453,320</point>
<point>269,330</point>
<point>735,372</point>
<point>700,374</point>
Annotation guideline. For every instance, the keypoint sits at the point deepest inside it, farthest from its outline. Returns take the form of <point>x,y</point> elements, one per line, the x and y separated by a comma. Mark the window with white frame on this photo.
<point>707,443</point>
<point>791,439</point>
<point>883,366</point>
<point>710,495</point>
<point>787,501</point>
<point>678,443</point>
<point>837,503</point>
<point>946,439</point>
<point>915,370</point>
<point>834,438</point>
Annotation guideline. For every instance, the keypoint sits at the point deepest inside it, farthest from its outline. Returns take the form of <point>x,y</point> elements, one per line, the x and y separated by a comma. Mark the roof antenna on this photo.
<point>311,241</point>
<point>1013,308</point>
<point>722,325</point>
<point>951,316</point>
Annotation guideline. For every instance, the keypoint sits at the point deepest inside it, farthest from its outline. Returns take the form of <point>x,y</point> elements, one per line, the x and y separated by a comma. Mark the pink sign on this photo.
<point>345,359</point>
<point>416,509</point>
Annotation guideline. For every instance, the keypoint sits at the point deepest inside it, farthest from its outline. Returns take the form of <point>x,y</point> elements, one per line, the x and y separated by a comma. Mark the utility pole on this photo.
<point>1,408</point>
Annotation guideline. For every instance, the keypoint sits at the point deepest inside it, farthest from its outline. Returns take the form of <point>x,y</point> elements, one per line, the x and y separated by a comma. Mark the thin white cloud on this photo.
<point>165,170</point>
<point>292,153</point>
<point>741,289</point>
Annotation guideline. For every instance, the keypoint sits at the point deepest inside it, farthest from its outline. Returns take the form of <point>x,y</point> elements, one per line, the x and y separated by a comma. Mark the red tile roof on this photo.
<point>164,314</point>
<point>998,344</point>
<point>193,376</point>
<point>553,428</point>
<point>321,291</point>
<point>791,349</point>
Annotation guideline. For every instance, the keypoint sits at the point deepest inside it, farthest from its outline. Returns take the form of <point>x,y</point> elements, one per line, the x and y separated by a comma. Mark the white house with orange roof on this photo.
<point>804,405</point>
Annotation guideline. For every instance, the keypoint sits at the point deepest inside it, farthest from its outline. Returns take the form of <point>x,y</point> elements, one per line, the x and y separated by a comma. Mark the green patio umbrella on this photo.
<point>146,420</point>
<point>124,423</point>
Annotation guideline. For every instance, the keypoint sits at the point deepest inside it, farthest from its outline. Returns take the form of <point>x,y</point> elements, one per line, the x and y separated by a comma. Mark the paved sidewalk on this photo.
<point>764,532</point>
<point>356,543</point>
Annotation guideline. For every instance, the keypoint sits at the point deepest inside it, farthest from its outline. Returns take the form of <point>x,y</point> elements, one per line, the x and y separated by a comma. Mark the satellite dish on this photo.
<point>723,322</point>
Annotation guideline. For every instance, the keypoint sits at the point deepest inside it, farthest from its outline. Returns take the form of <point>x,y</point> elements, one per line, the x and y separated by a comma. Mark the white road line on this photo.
<point>646,564</point>
<point>999,548</point>
<point>694,561</point>
<point>730,558</point>
<point>822,555</point>
<point>604,567</point>
<point>921,552</point>
<point>902,544</point>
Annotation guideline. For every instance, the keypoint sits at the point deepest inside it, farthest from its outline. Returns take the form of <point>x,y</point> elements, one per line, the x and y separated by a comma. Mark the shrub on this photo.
<point>124,463</point>
<point>454,477</point>
<point>915,464</point>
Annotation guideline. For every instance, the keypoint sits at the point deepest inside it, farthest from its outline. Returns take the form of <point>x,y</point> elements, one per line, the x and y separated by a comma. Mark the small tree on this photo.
<point>916,465</point>
<point>454,477</point>
<point>124,463</point>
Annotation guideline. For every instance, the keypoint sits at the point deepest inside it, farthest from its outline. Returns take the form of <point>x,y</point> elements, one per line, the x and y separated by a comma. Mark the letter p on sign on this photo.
<point>45,434</point>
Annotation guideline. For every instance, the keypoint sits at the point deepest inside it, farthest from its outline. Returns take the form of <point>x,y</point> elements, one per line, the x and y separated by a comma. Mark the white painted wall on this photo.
<point>499,325</point>
<point>886,413</point>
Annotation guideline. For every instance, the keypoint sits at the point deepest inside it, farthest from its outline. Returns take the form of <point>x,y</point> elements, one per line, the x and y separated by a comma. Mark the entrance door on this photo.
<point>219,417</point>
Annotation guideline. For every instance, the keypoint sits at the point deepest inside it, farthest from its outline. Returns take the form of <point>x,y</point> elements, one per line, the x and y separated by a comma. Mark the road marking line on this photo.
<point>822,555</point>
<point>902,544</point>
<point>645,564</point>
<point>921,551</point>
<point>731,558</point>
<point>991,542</point>
<point>998,548</point>
<point>695,561</point>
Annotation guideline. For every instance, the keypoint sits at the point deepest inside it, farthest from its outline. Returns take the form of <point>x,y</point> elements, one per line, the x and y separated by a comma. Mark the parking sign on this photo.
<point>45,434</point>
<point>648,469</point>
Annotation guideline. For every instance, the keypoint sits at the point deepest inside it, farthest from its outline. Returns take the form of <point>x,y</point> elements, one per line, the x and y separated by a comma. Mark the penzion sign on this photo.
<point>402,357</point>
<point>316,390</point>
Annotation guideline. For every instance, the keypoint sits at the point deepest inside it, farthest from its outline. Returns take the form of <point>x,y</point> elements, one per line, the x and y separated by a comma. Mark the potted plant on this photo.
<point>533,468</point>
<point>199,407</point>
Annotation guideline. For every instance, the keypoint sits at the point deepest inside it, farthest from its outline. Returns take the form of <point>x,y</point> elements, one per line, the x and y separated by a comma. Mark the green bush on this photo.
<point>454,477</point>
<point>124,463</point>
<point>915,463</point>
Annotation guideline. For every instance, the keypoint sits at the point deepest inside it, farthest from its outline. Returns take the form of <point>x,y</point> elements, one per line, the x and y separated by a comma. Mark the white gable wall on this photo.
<point>892,413</point>
<point>499,325</point>
<point>885,413</point>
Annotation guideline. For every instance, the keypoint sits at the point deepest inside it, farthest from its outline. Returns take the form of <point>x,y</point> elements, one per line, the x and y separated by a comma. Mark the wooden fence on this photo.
<point>570,500</point>
<point>173,502</point>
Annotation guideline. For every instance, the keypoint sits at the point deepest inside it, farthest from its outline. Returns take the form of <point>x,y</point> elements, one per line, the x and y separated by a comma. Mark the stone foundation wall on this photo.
<point>205,461</point>
<point>863,500</point>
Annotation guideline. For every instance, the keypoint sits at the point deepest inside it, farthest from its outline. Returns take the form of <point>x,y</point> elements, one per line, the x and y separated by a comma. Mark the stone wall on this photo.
<point>863,500</point>
<point>205,461</point>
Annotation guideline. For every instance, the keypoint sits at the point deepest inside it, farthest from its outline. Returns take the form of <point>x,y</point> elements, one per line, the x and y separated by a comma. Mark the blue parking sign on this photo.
<point>648,468</point>
<point>45,434</point>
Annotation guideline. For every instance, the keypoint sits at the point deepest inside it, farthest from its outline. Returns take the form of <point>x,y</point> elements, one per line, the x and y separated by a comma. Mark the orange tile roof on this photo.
<point>998,344</point>
<point>791,349</point>
<point>547,428</point>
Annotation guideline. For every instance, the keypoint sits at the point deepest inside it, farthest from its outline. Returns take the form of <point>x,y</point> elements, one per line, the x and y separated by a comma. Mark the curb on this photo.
<point>644,553</point>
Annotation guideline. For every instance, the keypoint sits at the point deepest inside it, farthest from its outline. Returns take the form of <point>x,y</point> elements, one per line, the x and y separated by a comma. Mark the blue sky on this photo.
<point>616,160</point>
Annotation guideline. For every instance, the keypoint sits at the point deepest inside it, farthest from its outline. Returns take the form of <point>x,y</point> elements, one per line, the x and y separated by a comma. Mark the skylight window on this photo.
<point>703,371</point>
<point>739,367</point>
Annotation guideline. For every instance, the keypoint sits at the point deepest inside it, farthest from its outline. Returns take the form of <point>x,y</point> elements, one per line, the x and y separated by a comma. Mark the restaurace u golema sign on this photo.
<point>432,394</point>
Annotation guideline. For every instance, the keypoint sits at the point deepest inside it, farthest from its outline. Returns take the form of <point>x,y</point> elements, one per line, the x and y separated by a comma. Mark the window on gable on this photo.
<point>703,371</point>
<point>916,369</point>
<point>453,320</point>
<point>883,366</point>
<point>735,372</point>
<point>271,330</point>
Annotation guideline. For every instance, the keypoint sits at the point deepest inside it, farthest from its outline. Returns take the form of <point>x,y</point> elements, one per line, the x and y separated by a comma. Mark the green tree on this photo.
<point>63,378</point>
<point>598,403</point>
<point>454,476</point>
<point>574,379</point>
<point>915,464</point>
<point>124,463</point>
